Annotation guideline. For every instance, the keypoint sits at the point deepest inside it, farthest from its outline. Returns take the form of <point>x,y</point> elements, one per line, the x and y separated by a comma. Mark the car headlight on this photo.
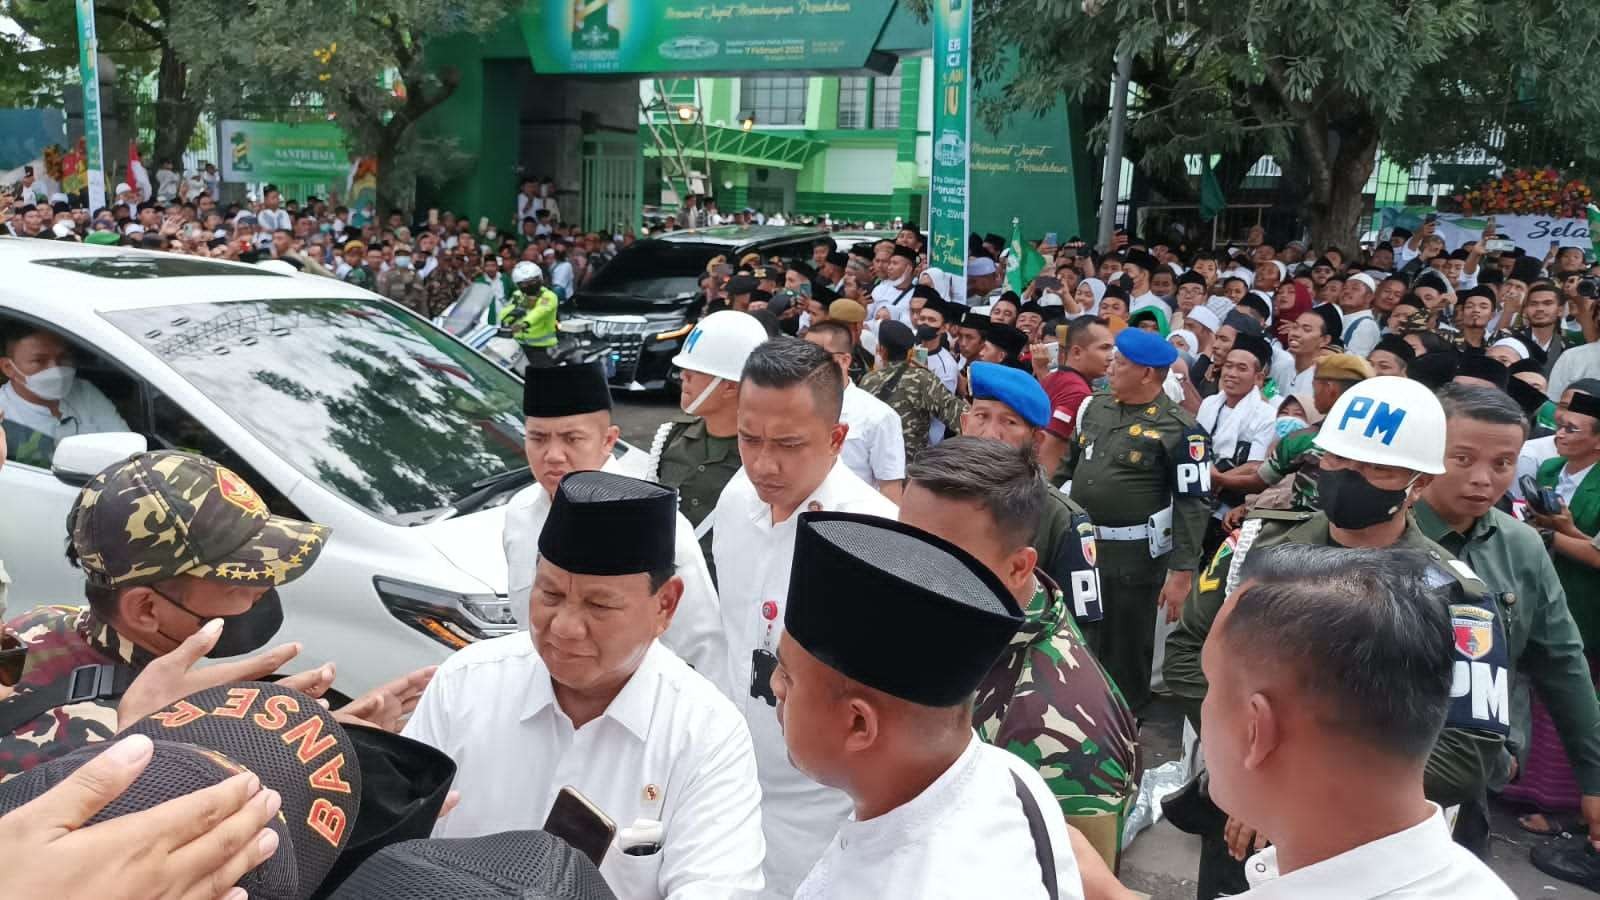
<point>449,617</point>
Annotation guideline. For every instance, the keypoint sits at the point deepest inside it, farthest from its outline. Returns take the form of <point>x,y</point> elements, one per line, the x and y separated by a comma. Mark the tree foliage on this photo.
<point>362,64</point>
<point>1318,83</point>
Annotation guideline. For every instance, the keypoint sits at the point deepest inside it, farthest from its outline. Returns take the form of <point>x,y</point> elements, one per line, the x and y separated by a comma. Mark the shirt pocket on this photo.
<point>632,876</point>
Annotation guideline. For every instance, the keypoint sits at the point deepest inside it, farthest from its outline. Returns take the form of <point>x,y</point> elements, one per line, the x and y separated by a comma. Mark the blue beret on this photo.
<point>1013,387</point>
<point>1145,348</point>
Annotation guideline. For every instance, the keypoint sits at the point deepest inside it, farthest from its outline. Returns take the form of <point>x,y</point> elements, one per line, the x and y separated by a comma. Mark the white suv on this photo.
<point>338,406</point>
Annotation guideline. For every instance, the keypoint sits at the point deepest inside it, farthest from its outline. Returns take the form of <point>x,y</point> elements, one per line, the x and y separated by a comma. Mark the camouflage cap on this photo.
<point>160,515</point>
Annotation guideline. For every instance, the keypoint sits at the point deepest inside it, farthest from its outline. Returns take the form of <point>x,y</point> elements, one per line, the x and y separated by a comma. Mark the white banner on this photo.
<point>1534,234</point>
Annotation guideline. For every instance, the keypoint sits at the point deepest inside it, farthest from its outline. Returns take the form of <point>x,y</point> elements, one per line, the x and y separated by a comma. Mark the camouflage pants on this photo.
<point>1124,640</point>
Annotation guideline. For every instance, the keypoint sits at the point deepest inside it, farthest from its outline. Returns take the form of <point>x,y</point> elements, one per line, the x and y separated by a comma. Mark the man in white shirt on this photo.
<point>1360,330</point>
<point>874,446</point>
<point>43,400</point>
<point>1321,750</point>
<point>1241,424</point>
<point>893,293</point>
<point>789,441</point>
<point>569,429</point>
<point>936,812</point>
<point>270,218</point>
<point>589,699</point>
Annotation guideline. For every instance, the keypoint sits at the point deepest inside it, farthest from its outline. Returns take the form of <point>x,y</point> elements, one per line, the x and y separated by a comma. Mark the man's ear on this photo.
<point>1263,731</point>
<point>666,601</point>
<point>865,721</point>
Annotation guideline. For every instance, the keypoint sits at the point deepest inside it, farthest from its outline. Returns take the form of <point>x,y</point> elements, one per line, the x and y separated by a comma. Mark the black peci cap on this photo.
<point>857,580</point>
<point>569,390</point>
<point>601,523</point>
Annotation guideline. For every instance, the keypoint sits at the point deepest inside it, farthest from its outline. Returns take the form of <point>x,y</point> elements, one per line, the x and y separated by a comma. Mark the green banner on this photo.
<point>952,120</point>
<point>307,152</point>
<point>89,71</point>
<point>649,36</point>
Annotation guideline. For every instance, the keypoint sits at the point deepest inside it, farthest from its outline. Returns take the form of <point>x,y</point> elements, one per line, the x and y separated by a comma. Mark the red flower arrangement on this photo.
<point>1528,192</point>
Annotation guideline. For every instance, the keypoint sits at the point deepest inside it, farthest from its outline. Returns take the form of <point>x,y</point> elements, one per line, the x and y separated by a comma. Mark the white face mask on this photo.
<point>51,384</point>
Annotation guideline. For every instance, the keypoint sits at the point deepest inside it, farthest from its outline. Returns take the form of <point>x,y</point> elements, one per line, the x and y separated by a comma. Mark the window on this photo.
<point>775,101</point>
<point>886,102</point>
<point>853,102</point>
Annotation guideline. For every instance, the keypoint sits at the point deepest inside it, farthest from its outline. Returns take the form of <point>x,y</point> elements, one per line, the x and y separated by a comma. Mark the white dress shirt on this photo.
<point>896,299</point>
<point>1252,420</point>
<point>1418,863</point>
<point>274,219</point>
<point>670,748</point>
<point>874,447</point>
<point>85,410</point>
<point>1359,331</point>
<point>753,554</point>
<point>696,630</point>
<point>964,836</point>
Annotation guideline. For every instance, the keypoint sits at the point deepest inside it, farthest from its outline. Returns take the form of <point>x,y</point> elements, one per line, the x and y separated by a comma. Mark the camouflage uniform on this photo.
<point>155,517</point>
<point>1048,701</point>
<point>61,639</point>
<point>919,397</point>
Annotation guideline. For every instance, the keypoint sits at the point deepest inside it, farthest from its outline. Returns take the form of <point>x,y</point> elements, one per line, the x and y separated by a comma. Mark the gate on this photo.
<point>613,176</point>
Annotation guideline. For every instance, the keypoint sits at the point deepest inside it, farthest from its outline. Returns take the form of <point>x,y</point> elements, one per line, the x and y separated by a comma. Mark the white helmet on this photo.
<point>1387,421</point>
<point>525,272</point>
<point>720,343</point>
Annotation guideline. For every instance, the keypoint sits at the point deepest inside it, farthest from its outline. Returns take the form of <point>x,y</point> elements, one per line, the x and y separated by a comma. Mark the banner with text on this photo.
<point>1533,234</point>
<point>700,36</point>
<point>307,152</point>
<point>952,125</point>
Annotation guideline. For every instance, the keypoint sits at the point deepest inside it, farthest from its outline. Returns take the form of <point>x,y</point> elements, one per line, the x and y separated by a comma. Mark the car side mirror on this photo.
<point>83,456</point>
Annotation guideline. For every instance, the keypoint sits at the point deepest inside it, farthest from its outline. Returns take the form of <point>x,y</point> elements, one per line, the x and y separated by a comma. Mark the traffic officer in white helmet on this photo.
<point>1382,442</point>
<point>531,317</point>
<point>698,452</point>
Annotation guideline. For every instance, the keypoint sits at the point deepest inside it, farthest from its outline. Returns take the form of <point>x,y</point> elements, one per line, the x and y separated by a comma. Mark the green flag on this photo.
<point>1026,263</point>
<point>1211,200</point>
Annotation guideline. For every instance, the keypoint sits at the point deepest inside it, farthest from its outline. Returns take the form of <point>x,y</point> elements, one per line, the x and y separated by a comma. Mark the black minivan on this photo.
<point>645,301</point>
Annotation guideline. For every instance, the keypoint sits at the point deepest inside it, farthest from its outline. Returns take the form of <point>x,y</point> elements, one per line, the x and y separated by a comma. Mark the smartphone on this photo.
<point>576,820</point>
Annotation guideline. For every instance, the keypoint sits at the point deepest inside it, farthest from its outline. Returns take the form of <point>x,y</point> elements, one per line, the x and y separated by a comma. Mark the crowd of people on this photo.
<point>881,612</point>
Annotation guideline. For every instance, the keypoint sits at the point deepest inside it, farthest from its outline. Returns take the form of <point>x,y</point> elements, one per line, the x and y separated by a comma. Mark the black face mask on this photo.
<point>1351,502</point>
<point>243,633</point>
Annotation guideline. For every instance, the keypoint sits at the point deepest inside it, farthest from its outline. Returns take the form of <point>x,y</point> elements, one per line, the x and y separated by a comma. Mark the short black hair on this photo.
<point>834,332</point>
<point>1481,404</point>
<point>1366,632</point>
<point>1078,329</point>
<point>784,362</point>
<point>1005,480</point>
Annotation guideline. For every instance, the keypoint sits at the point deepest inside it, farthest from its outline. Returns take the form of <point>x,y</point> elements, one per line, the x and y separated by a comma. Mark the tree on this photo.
<point>364,63</point>
<point>133,30</point>
<point>1320,83</point>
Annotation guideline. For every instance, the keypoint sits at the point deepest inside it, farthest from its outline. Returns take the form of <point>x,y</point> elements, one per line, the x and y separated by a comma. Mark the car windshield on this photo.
<point>654,270</point>
<point>369,401</point>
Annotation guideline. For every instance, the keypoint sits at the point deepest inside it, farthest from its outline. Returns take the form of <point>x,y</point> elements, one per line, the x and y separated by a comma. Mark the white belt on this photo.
<point>1125,533</point>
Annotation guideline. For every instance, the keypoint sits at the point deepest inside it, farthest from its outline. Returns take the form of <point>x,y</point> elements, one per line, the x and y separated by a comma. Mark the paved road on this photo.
<point>1161,862</point>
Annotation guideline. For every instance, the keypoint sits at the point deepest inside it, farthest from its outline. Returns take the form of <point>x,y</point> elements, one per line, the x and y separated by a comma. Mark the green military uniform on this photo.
<point>1294,456</point>
<point>61,640</point>
<point>1582,583</point>
<point>1544,643</point>
<point>919,397</point>
<point>1049,701</point>
<point>1463,759</point>
<point>698,464</point>
<point>532,322</point>
<point>1129,463</point>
